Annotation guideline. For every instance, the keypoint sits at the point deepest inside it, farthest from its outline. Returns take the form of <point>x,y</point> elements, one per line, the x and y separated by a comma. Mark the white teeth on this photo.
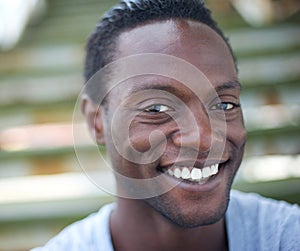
<point>214,169</point>
<point>177,173</point>
<point>170,172</point>
<point>196,174</point>
<point>185,173</point>
<point>206,172</point>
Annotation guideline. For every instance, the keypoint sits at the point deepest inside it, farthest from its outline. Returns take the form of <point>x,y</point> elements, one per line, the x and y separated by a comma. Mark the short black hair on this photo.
<point>128,14</point>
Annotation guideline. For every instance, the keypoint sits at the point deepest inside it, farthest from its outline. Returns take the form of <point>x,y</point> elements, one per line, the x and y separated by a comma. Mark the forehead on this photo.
<point>192,41</point>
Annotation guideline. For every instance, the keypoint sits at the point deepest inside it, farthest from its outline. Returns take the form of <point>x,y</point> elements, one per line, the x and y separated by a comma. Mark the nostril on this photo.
<point>193,140</point>
<point>195,131</point>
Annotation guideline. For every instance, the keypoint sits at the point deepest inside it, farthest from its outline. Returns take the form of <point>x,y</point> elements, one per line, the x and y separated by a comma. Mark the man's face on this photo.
<point>176,125</point>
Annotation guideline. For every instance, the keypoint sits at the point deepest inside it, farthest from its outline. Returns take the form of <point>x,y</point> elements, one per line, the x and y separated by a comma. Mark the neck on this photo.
<point>136,226</point>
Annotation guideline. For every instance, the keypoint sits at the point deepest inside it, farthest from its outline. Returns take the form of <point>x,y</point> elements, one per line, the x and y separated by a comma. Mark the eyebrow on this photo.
<point>228,85</point>
<point>156,85</point>
<point>160,85</point>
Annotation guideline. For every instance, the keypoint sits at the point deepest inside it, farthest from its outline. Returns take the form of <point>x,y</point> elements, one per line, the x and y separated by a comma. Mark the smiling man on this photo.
<point>162,94</point>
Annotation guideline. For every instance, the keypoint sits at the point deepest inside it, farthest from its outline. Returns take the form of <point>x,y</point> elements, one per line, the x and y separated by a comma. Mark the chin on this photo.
<point>190,215</point>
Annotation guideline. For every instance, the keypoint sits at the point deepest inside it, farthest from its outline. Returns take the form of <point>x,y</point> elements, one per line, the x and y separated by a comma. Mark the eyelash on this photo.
<point>219,106</point>
<point>152,108</point>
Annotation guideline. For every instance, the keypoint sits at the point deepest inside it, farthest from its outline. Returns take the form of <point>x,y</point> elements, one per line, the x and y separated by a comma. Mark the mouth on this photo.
<point>192,174</point>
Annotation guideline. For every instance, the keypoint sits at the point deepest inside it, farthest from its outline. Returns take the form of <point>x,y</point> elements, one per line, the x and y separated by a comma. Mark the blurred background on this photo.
<point>42,186</point>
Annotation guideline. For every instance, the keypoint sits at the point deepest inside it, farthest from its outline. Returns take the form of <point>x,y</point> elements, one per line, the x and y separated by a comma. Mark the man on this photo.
<point>167,108</point>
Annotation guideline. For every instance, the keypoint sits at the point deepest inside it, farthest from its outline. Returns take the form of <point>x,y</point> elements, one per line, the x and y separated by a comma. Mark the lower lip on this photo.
<point>212,183</point>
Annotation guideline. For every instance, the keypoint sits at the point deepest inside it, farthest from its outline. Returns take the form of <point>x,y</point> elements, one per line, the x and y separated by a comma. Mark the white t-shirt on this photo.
<point>253,223</point>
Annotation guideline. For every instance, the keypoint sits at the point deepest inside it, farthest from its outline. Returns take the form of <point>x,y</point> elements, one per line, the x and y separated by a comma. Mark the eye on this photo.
<point>157,108</point>
<point>225,106</point>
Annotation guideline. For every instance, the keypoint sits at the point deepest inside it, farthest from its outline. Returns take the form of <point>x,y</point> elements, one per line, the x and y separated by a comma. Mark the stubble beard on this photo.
<point>170,211</point>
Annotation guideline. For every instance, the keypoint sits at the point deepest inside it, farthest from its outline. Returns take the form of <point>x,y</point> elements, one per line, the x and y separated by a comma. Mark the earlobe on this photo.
<point>94,117</point>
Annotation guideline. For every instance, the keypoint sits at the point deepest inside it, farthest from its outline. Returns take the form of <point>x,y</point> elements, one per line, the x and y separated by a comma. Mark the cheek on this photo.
<point>237,134</point>
<point>139,138</point>
<point>145,138</point>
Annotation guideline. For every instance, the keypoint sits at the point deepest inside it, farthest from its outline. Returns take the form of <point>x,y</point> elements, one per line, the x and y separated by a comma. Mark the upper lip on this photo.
<point>195,163</point>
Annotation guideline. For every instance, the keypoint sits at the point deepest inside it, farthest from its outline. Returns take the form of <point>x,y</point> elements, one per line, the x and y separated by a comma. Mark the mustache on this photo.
<point>190,156</point>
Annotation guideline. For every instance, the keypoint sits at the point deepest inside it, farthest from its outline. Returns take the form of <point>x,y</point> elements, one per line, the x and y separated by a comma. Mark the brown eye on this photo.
<point>157,108</point>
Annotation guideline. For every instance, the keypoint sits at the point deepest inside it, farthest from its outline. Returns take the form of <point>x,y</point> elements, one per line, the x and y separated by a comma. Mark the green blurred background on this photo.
<point>42,186</point>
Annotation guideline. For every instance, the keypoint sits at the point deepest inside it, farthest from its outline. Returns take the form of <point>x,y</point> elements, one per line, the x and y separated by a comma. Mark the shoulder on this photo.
<point>256,205</point>
<point>85,234</point>
<point>264,221</point>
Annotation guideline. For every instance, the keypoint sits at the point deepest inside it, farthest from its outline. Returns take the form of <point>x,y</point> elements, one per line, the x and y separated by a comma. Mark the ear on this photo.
<point>93,114</point>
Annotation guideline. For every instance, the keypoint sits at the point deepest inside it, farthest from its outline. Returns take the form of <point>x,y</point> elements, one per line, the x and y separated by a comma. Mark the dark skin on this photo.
<point>190,216</point>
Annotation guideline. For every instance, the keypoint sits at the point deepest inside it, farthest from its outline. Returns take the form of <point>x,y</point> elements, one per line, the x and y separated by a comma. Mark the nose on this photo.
<point>194,132</point>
